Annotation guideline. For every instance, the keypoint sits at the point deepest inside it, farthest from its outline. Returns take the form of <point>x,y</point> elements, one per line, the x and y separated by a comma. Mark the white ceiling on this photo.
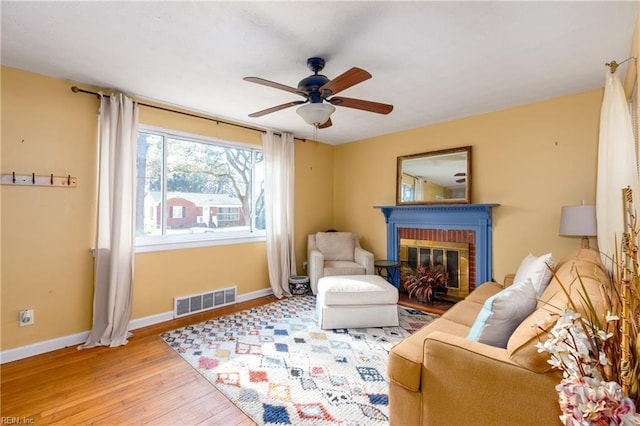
<point>434,61</point>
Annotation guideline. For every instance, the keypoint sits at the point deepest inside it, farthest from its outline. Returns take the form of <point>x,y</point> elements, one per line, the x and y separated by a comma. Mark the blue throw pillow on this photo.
<point>502,313</point>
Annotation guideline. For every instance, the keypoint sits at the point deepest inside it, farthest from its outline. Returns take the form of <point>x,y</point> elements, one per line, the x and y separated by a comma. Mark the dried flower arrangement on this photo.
<point>600,357</point>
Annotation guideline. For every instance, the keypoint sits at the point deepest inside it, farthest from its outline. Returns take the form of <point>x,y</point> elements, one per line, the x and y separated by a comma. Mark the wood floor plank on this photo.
<point>115,405</point>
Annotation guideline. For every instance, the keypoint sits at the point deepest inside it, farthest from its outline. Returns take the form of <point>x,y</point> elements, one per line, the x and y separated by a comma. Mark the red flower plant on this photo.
<point>422,283</point>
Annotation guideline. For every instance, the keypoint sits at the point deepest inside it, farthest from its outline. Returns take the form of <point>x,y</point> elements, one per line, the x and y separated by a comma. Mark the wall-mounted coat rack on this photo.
<point>38,180</point>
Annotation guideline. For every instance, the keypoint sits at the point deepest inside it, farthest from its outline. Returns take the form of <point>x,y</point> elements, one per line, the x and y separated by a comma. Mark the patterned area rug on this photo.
<point>280,368</point>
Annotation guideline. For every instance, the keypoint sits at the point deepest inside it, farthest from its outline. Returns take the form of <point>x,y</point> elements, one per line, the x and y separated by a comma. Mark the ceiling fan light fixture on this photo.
<point>316,113</point>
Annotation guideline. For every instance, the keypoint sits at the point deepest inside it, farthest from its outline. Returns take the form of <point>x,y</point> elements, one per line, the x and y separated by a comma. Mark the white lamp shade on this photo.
<point>316,114</point>
<point>578,221</point>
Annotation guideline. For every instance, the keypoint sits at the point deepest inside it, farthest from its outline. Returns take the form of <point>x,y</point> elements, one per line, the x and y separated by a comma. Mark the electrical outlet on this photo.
<point>304,265</point>
<point>26,317</point>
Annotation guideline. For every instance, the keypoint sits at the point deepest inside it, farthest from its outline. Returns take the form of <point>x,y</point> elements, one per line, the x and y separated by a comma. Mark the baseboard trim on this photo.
<point>254,295</point>
<point>76,339</point>
<point>137,323</point>
<point>43,347</point>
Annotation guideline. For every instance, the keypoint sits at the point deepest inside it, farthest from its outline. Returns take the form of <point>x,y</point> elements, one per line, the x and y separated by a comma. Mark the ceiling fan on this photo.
<point>462,176</point>
<point>318,89</point>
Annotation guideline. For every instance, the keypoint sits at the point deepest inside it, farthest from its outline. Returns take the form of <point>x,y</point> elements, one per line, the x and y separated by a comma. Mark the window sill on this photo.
<point>148,245</point>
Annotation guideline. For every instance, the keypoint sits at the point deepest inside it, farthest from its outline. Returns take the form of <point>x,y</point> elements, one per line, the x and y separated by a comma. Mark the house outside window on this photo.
<point>195,191</point>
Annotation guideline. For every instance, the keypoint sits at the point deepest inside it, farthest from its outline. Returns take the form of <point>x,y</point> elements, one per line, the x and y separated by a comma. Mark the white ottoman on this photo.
<point>356,301</point>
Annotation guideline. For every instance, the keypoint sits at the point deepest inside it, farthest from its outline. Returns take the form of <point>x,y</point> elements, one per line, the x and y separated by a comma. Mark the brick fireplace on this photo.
<point>449,233</point>
<point>453,250</point>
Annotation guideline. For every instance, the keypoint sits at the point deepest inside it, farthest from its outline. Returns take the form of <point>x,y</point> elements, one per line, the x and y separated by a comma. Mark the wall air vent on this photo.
<point>195,303</point>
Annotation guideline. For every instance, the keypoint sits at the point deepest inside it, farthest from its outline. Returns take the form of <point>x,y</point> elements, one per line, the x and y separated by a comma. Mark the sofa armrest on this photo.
<point>364,258</point>
<point>316,269</point>
<point>464,380</point>
<point>508,279</point>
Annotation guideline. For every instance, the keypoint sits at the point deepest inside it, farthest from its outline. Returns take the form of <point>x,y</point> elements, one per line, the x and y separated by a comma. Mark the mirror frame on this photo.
<point>426,155</point>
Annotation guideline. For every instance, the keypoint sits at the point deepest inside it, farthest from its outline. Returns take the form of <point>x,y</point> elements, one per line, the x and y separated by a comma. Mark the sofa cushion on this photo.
<point>538,269</point>
<point>336,245</point>
<point>466,311</point>
<point>584,263</point>
<point>463,312</point>
<point>502,313</point>
<point>483,292</point>
<point>343,267</point>
<point>405,359</point>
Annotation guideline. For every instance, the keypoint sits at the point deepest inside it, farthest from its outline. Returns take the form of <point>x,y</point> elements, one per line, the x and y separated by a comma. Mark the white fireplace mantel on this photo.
<point>475,217</point>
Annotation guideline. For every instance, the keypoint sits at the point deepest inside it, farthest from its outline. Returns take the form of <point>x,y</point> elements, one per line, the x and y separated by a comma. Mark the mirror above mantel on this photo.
<point>436,177</point>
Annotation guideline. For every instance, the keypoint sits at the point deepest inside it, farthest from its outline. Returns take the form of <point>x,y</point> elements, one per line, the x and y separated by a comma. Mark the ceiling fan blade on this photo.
<point>275,85</point>
<point>362,104</point>
<point>275,108</point>
<point>463,180</point>
<point>326,124</point>
<point>460,174</point>
<point>344,81</point>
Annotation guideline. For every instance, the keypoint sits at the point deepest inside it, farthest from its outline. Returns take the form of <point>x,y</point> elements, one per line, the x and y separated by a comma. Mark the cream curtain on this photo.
<point>278,195</point>
<point>418,189</point>
<point>617,166</point>
<point>114,255</point>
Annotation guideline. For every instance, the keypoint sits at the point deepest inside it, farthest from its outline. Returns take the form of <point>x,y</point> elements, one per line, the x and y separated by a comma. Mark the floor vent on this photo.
<point>195,303</point>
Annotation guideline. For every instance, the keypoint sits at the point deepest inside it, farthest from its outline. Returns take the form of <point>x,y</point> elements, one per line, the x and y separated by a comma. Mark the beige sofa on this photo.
<point>439,377</point>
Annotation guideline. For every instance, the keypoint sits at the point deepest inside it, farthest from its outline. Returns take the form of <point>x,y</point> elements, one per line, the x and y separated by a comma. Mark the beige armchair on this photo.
<point>336,253</point>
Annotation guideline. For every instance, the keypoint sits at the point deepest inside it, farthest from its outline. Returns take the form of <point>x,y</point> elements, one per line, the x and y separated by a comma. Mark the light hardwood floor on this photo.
<point>144,382</point>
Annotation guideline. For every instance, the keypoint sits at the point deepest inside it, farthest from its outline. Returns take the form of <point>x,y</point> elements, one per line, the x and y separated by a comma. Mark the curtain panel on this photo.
<point>617,167</point>
<point>279,212</point>
<point>115,236</point>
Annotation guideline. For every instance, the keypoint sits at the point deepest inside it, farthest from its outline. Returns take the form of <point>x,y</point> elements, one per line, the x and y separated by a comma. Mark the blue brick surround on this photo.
<point>475,217</point>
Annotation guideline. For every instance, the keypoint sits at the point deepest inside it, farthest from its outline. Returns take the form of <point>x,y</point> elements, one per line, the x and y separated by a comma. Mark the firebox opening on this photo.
<point>453,257</point>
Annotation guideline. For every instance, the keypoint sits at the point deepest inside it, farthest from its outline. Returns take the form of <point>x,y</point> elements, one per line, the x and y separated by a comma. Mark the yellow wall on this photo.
<point>314,194</point>
<point>532,160</point>
<point>431,190</point>
<point>47,232</point>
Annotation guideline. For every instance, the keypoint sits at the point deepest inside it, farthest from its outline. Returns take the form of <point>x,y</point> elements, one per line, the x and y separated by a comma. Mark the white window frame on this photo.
<point>146,244</point>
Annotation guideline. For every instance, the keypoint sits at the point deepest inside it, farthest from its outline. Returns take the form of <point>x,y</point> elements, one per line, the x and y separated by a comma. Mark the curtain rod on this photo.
<point>613,65</point>
<point>76,89</point>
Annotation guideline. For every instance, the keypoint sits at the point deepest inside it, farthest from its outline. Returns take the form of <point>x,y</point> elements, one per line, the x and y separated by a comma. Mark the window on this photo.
<point>177,211</point>
<point>407,192</point>
<point>194,191</point>
<point>228,214</point>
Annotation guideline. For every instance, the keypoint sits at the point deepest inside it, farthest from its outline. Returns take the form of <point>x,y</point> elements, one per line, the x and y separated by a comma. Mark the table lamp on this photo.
<point>578,221</point>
